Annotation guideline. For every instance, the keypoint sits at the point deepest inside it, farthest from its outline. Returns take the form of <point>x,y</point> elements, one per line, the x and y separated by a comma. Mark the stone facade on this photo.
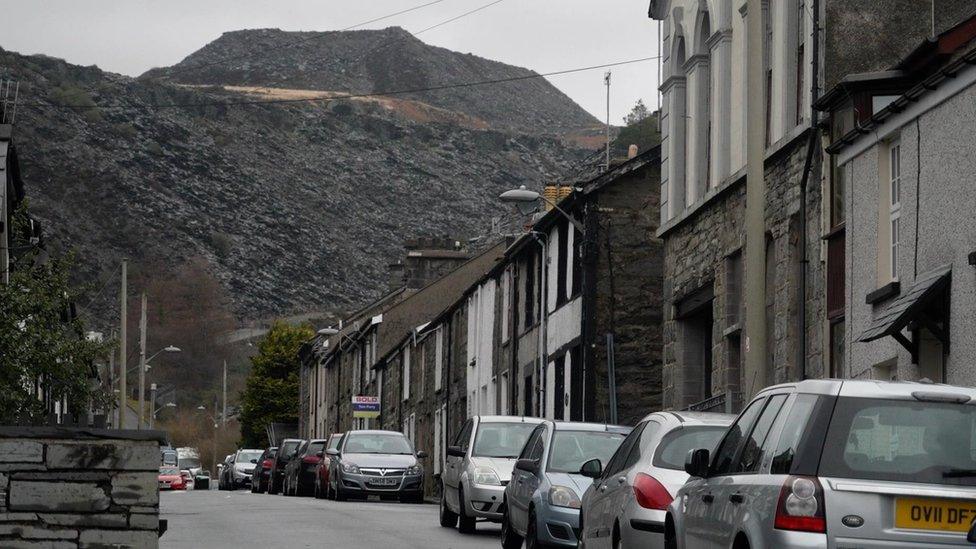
<point>64,488</point>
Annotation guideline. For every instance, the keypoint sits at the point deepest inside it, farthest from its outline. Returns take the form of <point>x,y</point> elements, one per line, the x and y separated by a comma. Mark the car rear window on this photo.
<point>674,447</point>
<point>315,447</point>
<point>903,441</point>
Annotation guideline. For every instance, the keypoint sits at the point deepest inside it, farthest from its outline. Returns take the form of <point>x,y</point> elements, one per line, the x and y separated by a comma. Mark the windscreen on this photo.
<point>571,449</point>
<point>190,463</point>
<point>169,471</point>
<point>501,440</point>
<point>314,448</point>
<point>334,441</point>
<point>903,441</point>
<point>377,443</point>
<point>674,447</point>
<point>245,456</point>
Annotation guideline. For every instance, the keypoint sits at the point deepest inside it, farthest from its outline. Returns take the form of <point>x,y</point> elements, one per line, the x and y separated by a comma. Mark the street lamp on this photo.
<point>144,367</point>
<point>526,201</point>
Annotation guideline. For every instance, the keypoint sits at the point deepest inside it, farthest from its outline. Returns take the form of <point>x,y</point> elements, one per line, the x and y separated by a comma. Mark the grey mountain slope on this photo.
<point>381,61</point>
<point>295,207</point>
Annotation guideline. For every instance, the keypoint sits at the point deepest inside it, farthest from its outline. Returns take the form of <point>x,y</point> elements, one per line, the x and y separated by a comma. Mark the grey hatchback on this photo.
<point>829,463</point>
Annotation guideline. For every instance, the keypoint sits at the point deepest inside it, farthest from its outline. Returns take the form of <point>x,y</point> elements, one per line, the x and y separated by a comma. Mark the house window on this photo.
<point>503,395</point>
<point>838,186</point>
<point>837,354</point>
<point>439,359</point>
<point>423,370</point>
<point>562,253</point>
<point>768,70</point>
<point>800,65</point>
<point>577,285</point>
<point>529,291</point>
<point>506,282</point>
<point>894,167</point>
<point>405,373</point>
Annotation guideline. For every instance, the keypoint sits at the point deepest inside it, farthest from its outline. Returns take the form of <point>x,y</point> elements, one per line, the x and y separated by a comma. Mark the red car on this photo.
<point>322,469</point>
<point>171,479</point>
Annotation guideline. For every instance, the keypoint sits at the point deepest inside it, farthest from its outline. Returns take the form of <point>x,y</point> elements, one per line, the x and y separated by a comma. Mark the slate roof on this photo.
<point>903,310</point>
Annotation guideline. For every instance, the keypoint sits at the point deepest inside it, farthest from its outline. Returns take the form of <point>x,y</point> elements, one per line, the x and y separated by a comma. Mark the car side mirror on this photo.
<point>421,454</point>
<point>592,469</point>
<point>254,461</point>
<point>527,465</point>
<point>455,451</point>
<point>696,464</point>
<point>320,454</point>
<point>332,452</point>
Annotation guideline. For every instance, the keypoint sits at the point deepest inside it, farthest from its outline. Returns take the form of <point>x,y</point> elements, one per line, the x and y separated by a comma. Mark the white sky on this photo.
<point>131,36</point>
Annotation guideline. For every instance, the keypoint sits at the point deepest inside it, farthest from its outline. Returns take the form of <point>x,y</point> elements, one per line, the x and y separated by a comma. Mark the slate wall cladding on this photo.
<point>73,488</point>
<point>697,252</point>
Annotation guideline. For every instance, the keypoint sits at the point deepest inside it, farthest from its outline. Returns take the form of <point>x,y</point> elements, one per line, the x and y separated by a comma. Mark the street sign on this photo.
<point>365,407</point>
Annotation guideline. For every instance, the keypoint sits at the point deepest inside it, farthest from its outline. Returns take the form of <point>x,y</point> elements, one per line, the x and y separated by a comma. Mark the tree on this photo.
<point>42,344</point>
<point>638,114</point>
<point>271,390</point>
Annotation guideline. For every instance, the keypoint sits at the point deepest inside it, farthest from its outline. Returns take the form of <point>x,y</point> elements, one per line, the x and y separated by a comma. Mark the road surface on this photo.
<point>212,519</point>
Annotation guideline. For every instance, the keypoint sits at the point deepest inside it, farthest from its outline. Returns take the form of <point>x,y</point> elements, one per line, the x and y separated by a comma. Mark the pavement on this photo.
<point>212,519</point>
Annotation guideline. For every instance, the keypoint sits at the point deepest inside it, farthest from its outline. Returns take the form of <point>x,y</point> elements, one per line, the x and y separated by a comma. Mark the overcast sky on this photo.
<point>131,36</point>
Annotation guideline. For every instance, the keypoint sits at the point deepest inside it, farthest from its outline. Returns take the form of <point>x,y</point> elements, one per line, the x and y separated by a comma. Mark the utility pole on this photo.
<point>123,397</point>
<point>111,382</point>
<point>142,363</point>
<point>755,260</point>
<point>223,413</point>
<point>606,80</point>
<point>214,468</point>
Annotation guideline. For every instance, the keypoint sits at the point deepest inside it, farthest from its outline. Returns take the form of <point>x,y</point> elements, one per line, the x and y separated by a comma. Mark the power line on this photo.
<point>316,36</point>
<point>348,96</point>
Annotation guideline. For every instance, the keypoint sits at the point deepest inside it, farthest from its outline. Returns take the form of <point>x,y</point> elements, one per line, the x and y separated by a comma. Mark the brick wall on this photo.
<point>67,488</point>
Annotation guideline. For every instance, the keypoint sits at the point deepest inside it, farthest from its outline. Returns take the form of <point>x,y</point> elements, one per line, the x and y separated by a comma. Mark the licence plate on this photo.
<point>946,515</point>
<point>384,481</point>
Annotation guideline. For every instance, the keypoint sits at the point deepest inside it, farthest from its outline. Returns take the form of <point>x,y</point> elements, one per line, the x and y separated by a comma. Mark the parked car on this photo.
<point>300,471</point>
<point>829,463</point>
<point>170,478</point>
<point>188,482</point>
<point>625,504</point>
<point>381,463</point>
<point>478,467</point>
<point>283,455</point>
<point>322,469</point>
<point>188,458</point>
<point>168,456</point>
<point>541,503</point>
<point>262,471</point>
<point>237,472</point>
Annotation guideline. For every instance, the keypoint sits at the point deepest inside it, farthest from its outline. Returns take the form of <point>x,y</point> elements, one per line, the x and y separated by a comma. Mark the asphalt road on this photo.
<point>238,520</point>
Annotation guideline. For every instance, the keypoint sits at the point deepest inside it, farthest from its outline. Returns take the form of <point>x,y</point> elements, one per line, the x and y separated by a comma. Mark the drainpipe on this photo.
<point>811,150</point>
<point>755,227</point>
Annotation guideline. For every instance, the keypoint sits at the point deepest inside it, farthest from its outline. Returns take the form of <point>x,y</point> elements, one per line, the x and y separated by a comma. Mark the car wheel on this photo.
<point>670,537</point>
<point>339,494</point>
<point>317,490</point>
<point>466,524</point>
<point>617,542</point>
<point>272,486</point>
<point>448,518</point>
<point>510,540</point>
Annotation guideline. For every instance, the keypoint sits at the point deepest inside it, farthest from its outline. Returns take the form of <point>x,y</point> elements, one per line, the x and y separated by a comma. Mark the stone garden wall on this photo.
<point>79,488</point>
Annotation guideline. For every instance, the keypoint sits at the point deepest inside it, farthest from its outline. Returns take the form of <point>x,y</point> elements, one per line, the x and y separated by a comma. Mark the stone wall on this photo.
<point>700,257</point>
<point>77,488</point>
<point>628,279</point>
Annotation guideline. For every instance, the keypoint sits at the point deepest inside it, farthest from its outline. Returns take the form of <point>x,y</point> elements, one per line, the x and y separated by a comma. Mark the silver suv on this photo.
<point>479,466</point>
<point>827,463</point>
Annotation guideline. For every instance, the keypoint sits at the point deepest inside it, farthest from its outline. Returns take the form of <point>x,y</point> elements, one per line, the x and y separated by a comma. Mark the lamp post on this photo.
<point>152,417</point>
<point>527,201</point>
<point>216,424</point>
<point>144,367</point>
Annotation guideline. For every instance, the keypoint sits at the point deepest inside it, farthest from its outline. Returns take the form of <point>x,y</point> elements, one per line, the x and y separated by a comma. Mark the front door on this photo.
<point>523,482</point>
<point>452,468</point>
<point>599,523</point>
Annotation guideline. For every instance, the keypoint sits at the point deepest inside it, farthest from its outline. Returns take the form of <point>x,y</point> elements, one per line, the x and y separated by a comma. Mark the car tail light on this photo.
<point>266,464</point>
<point>311,460</point>
<point>650,493</point>
<point>801,506</point>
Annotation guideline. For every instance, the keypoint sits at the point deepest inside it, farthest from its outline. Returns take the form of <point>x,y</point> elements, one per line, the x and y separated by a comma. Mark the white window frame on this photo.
<point>894,206</point>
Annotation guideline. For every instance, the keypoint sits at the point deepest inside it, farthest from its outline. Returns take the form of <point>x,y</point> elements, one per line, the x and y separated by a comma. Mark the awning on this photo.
<point>913,306</point>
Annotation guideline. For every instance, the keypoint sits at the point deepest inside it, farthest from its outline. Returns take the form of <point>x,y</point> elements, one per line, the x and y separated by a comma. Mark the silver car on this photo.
<point>625,504</point>
<point>376,463</point>
<point>479,466</point>
<point>542,502</point>
<point>828,463</point>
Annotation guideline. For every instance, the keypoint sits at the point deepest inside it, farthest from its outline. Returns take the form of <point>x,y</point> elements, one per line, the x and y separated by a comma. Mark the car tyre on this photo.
<point>510,539</point>
<point>317,491</point>
<point>448,518</point>
<point>617,542</point>
<point>670,537</point>
<point>272,486</point>
<point>339,494</point>
<point>466,524</point>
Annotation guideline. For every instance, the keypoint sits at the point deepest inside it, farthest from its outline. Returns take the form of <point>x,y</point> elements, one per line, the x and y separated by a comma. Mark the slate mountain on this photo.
<point>294,206</point>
